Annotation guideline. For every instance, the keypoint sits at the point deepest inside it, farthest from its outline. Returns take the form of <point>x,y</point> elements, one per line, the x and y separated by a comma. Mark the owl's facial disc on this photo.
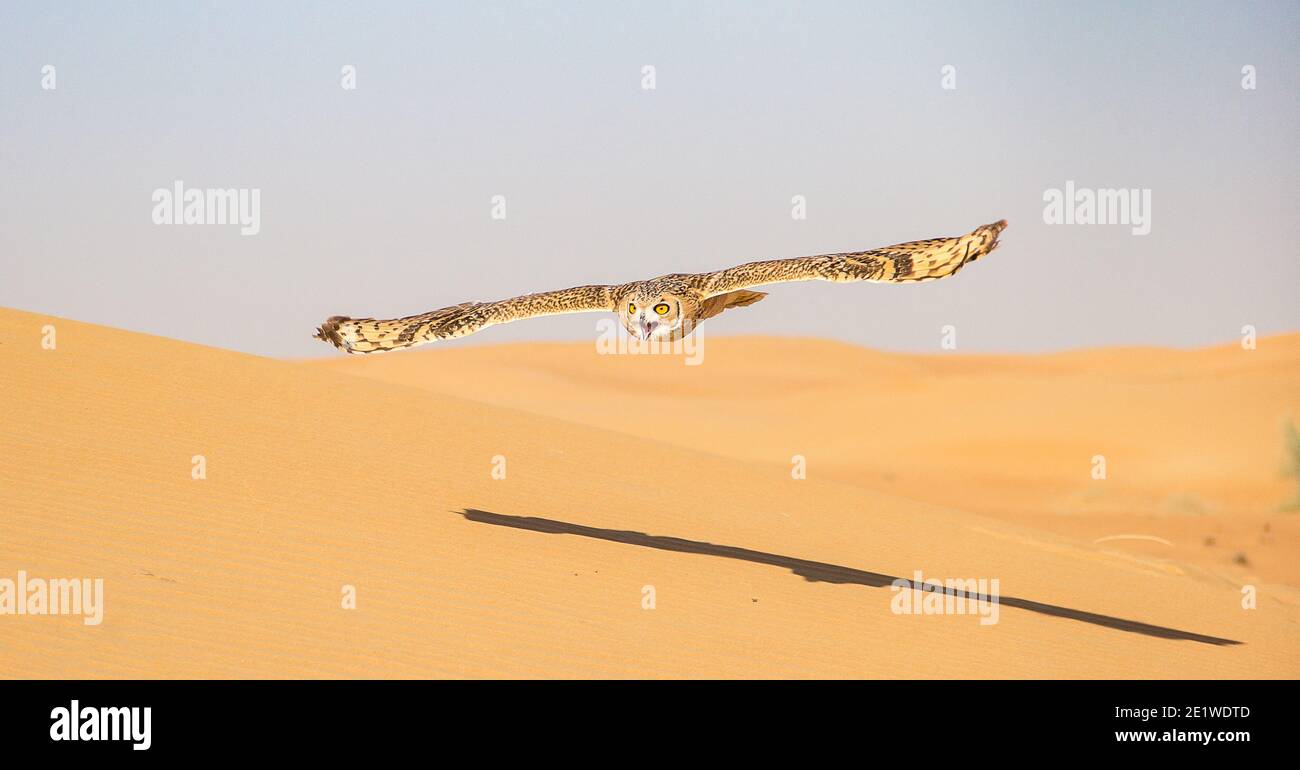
<point>652,317</point>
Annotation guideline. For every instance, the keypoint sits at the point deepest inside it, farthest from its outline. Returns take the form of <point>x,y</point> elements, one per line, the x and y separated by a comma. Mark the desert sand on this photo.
<point>627,478</point>
<point>1192,441</point>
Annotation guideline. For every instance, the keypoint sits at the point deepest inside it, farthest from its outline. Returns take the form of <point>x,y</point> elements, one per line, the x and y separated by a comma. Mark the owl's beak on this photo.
<point>646,328</point>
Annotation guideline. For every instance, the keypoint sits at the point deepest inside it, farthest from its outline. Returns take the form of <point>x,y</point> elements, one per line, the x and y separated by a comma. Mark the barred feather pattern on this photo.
<point>697,295</point>
<point>912,262</point>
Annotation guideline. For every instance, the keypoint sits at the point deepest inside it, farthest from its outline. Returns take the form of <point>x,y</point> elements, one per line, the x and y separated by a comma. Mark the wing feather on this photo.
<point>367,335</point>
<point>904,263</point>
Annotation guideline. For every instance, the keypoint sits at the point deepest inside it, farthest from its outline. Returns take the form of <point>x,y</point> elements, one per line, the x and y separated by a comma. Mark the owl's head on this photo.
<point>654,314</point>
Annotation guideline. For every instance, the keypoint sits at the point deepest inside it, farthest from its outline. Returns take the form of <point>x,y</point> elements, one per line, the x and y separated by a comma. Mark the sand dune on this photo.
<point>1192,440</point>
<point>317,480</point>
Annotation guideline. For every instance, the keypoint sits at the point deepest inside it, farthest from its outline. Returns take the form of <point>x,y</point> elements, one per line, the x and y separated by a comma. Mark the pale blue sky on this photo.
<point>376,201</point>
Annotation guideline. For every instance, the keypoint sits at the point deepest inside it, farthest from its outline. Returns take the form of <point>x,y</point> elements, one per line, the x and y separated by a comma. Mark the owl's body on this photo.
<point>669,307</point>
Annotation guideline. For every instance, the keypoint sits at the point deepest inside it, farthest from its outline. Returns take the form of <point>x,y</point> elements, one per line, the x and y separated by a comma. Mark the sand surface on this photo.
<point>627,477</point>
<point>1192,440</point>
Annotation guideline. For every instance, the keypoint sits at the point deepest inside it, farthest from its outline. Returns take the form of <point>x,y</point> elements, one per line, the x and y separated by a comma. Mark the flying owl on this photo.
<point>669,307</point>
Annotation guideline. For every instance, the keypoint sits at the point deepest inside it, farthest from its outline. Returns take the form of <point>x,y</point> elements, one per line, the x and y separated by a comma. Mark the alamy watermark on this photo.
<point>961,596</point>
<point>178,205</point>
<point>55,596</point>
<point>1103,206</point>
<point>612,339</point>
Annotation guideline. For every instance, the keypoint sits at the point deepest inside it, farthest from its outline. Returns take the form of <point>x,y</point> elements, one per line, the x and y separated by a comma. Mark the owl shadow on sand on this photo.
<point>822,572</point>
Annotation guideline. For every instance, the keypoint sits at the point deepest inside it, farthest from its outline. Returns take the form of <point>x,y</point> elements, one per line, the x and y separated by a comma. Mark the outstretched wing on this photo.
<point>366,335</point>
<point>904,263</point>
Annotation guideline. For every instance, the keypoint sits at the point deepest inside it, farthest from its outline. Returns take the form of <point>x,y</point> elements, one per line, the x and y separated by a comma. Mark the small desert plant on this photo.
<point>1291,466</point>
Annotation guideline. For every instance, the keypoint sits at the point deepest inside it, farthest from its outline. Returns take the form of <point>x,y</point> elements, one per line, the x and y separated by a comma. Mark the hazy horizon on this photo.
<point>377,201</point>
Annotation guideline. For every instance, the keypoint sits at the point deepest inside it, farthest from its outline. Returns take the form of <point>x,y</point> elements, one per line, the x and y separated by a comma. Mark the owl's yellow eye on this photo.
<point>662,308</point>
<point>631,308</point>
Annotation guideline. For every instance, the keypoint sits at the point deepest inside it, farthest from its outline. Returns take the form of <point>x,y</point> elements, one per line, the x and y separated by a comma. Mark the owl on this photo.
<point>669,308</point>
